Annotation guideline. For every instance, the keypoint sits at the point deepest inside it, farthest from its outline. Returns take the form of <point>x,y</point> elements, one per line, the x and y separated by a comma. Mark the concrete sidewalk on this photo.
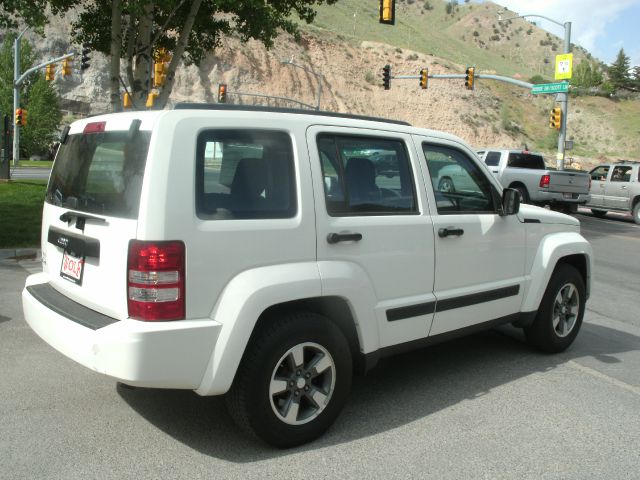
<point>18,254</point>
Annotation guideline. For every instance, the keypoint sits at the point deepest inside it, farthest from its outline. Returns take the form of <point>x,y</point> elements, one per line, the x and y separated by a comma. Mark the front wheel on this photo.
<point>293,380</point>
<point>559,317</point>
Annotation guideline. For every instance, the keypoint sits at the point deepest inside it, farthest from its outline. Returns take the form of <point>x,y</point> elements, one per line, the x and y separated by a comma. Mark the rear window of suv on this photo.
<point>100,173</point>
<point>525,160</point>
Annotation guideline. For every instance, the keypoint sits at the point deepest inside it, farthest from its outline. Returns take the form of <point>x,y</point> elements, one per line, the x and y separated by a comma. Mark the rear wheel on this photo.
<point>524,195</point>
<point>293,380</point>
<point>636,213</point>
<point>598,213</point>
<point>559,317</point>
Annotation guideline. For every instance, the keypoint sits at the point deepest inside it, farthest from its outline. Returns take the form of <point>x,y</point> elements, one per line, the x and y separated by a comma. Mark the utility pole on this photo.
<point>562,98</point>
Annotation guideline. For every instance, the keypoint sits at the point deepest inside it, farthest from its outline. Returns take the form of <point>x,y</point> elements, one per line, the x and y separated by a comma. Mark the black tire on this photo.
<point>563,302</point>
<point>524,194</point>
<point>267,363</point>
<point>598,213</point>
<point>636,213</point>
<point>446,185</point>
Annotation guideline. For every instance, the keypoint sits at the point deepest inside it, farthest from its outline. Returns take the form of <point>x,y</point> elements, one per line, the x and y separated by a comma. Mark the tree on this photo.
<point>619,71</point>
<point>587,75</point>
<point>38,97</point>
<point>136,29</point>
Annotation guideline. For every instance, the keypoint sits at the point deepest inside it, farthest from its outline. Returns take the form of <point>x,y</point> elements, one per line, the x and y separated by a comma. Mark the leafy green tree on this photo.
<point>619,71</point>
<point>587,75</point>
<point>134,29</point>
<point>38,97</point>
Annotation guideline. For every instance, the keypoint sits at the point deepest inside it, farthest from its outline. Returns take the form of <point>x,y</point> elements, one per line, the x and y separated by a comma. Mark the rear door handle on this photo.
<point>343,237</point>
<point>450,231</point>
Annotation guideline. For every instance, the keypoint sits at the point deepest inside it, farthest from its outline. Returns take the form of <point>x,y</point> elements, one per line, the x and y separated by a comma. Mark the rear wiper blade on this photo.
<point>67,216</point>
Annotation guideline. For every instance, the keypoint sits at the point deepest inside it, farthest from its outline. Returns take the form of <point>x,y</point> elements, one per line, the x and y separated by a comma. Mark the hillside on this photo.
<point>349,47</point>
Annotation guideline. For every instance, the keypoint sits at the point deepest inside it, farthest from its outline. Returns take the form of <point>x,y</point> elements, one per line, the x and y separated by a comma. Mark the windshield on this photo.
<point>100,173</point>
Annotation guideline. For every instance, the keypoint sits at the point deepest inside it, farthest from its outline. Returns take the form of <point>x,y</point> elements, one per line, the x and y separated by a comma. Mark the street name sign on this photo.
<point>560,87</point>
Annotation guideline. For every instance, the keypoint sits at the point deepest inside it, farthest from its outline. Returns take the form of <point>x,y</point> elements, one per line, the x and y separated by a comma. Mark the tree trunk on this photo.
<point>181,45</point>
<point>143,58</point>
<point>116,45</point>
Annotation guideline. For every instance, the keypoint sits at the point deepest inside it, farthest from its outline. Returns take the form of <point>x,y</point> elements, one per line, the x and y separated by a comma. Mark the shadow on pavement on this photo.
<point>398,391</point>
<point>4,319</point>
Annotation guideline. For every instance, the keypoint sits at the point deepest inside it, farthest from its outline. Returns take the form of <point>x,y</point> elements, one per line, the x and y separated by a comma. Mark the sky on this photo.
<point>600,26</point>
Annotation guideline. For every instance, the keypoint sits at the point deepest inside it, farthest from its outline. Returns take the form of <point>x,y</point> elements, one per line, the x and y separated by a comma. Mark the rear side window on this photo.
<point>100,173</point>
<point>244,174</point>
<point>366,176</point>
<point>526,160</point>
<point>493,159</point>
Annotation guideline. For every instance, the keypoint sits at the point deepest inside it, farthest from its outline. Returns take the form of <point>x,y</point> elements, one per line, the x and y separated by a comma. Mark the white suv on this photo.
<point>269,254</point>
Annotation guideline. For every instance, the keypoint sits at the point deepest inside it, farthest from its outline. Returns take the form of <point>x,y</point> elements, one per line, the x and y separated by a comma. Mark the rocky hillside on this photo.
<point>348,47</point>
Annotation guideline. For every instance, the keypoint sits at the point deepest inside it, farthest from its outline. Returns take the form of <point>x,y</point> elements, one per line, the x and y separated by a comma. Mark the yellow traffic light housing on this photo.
<point>222,93</point>
<point>19,117</point>
<point>469,81</point>
<point>67,64</point>
<point>386,77</point>
<point>555,119</point>
<point>151,99</point>
<point>126,101</point>
<point>424,78</point>
<point>159,74</point>
<point>50,72</point>
<point>388,12</point>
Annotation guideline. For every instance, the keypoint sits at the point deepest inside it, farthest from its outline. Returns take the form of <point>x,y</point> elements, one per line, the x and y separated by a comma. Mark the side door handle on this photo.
<point>333,238</point>
<point>450,231</point>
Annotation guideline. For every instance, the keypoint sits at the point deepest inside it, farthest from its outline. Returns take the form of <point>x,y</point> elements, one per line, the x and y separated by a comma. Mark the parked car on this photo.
<point>615,187</point>
<point>526,172</point>
<point>267,255</point>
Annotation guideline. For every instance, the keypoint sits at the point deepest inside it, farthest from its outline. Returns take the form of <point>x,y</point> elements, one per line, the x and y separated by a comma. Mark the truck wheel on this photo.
<point>446,185</point>
<point>636,213</point>
<point>560,314</point>
<point>293,380</point>
<point>598,213</point>
<point>524,195</point>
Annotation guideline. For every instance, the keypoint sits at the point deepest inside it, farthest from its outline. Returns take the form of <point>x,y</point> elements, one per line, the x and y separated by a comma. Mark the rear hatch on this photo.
<point>91,211</point>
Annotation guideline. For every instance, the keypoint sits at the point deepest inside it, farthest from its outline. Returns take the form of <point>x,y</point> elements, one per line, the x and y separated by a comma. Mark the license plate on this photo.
<point>72,268</point>
<point>568,195</point>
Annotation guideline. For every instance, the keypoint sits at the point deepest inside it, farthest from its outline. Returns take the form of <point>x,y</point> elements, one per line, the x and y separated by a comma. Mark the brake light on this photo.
<point>94,127</point>
<point>544,181</point>
<point>156,280</point>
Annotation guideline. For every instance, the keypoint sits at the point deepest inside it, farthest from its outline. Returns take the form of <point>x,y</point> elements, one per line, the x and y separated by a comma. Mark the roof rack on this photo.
<point>627,161</point>
<point>299,111</point>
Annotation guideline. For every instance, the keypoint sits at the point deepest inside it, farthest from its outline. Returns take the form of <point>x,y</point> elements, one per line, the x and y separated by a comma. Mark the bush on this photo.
<point>476,33</point>
<point>427,6</point>
<point>537,79</point>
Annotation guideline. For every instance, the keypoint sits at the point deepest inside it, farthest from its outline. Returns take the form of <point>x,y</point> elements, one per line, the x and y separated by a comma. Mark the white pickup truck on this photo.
<point>526,172</point>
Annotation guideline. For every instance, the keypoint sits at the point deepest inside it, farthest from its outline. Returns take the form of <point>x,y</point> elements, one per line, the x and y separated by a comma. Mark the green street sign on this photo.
<point>560,87</point>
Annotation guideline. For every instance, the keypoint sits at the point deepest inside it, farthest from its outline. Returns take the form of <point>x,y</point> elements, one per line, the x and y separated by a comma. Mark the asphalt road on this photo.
<point>482,407</point>
<point>30,173</point>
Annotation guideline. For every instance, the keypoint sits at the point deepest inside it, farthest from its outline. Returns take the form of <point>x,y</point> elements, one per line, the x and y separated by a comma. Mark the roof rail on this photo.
<point>299,111</point>
<point>627,161</point>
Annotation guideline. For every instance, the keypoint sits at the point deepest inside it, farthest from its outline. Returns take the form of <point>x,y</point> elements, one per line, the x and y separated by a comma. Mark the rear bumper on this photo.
<point>554,197</point>
<point>148,354</point>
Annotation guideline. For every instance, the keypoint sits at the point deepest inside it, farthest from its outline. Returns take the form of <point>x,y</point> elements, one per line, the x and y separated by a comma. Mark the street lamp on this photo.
<point>318,76</point>
<point>562,98</point>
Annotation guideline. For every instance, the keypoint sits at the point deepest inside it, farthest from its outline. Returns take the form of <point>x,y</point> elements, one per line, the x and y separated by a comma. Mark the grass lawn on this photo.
<point>35,163</point>
<point>21,213</point>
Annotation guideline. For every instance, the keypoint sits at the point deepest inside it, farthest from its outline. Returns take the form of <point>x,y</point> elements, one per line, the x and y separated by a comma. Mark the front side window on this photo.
<point>244,174</point>
<point>100,173</point>
<point>366,176</point>
<point>493,159</point>
<point>459,185</point>
<point>600,173</point>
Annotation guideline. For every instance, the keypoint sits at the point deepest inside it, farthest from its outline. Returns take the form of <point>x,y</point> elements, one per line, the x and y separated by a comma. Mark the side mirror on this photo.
<point>510,202</point>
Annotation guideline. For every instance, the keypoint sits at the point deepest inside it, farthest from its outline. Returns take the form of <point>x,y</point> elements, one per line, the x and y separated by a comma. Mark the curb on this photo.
<point>19,254</point>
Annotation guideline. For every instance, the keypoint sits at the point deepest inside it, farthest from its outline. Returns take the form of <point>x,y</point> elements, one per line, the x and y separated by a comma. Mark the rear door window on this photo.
<point>525,160</point>
<point>244,174</point>
<point>100,173</point>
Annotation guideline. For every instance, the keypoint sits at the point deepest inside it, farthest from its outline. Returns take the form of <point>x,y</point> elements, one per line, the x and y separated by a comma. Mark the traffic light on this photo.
<point>84,60</point>
<point>150,99</point>
<point>66,67</point>
<point>19,116</point>
<point>424,78</point>
<point>555,120</point>
<point>50,72</point>
<point>469,79</point>
<point>159,74</point>
<point>24,117</point>
<point>386,77</point>
<point>222,93</point>
<point>126,101</point>
<point>388,12</point>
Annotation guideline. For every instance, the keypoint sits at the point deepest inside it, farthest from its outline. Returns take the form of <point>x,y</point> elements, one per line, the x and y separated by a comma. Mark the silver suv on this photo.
<point>616,188</point>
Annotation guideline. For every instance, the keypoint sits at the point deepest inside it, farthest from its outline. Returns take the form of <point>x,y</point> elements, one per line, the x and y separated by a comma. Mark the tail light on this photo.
<point>156,280</point>
<point>544,181</point>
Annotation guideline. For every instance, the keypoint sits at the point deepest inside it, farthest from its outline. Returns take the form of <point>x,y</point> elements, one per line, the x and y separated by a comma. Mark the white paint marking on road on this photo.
<point>606,378</point>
